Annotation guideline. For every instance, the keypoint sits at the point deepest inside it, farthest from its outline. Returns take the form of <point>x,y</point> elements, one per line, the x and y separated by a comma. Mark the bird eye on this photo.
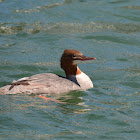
<point>73,55</point>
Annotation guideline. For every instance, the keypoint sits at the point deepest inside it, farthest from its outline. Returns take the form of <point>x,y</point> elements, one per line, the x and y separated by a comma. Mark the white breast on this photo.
<point>82,80</point>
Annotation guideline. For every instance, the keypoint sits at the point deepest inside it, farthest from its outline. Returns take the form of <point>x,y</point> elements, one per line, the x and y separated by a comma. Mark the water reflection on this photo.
<point>69,103</point>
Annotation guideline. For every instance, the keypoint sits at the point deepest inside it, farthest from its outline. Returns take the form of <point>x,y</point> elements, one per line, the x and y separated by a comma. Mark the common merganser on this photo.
<point>48,83</point>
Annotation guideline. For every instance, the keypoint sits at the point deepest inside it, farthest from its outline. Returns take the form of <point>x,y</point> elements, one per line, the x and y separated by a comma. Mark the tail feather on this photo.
<point>2,91</point>
<point>5,90</point>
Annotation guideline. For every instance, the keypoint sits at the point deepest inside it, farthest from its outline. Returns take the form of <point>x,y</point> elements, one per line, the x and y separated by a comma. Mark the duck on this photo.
<point>49,83</point>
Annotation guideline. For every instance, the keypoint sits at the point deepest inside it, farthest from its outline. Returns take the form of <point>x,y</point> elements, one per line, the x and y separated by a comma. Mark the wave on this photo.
<point>41,8</point>
<point>68,28</point>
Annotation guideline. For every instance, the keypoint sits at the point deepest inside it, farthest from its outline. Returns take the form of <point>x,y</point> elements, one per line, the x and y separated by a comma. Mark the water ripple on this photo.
<point>132,7</point>
<point>67,28</point>
<point>39,8</point>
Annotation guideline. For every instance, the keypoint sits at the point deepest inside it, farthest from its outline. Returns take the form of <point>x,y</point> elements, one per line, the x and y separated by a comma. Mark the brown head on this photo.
<point>68,61</point>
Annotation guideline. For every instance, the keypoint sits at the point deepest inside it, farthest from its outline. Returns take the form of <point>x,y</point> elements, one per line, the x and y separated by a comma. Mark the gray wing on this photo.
<point>45,83</point>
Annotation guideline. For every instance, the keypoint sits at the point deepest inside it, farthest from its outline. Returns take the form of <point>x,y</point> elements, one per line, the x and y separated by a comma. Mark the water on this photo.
<point>33,35</point>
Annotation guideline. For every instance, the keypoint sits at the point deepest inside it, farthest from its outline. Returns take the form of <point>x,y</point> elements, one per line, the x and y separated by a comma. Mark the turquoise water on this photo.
<point>33,35</point>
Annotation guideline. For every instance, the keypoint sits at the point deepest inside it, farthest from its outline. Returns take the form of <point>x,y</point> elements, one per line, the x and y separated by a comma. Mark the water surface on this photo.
<point>33,35</point>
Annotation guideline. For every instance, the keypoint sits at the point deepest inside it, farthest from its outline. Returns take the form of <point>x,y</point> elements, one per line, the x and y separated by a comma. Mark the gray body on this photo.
<point>48,83</point>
